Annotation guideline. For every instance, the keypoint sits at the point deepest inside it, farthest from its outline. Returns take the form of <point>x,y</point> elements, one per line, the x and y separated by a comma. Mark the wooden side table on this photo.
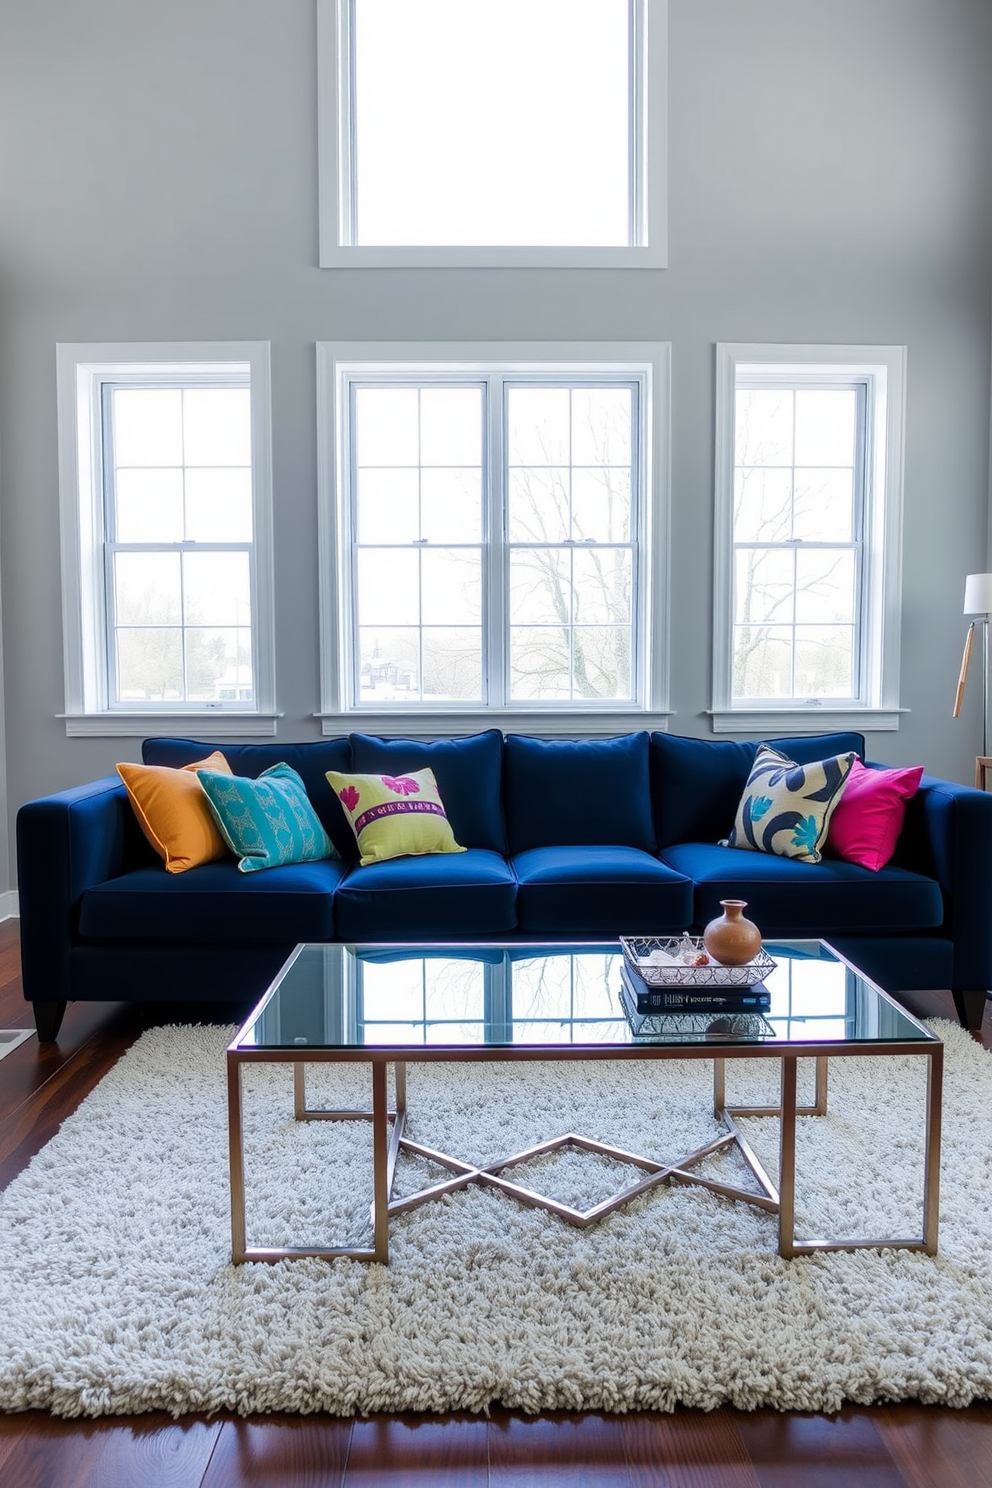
<point>983,764</point>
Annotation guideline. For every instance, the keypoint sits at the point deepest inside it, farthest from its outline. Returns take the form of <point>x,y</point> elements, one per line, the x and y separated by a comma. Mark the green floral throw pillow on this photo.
<point>266,822</point>
<point>394,816</point>
<point>786,808</point>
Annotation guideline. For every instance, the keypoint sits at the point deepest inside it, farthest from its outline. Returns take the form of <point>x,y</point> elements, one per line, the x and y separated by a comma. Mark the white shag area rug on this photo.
<point>117,1294</point>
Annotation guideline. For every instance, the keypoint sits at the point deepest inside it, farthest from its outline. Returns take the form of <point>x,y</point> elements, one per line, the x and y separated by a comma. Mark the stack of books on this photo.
<point>693,1027</point>
<point>641,998</point>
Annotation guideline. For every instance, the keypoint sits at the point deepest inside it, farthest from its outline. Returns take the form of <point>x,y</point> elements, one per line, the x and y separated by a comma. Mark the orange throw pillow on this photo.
<point>172,811</point>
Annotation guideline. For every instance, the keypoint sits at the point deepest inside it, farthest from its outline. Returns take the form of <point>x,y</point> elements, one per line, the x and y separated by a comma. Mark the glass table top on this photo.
<point>459,996</point>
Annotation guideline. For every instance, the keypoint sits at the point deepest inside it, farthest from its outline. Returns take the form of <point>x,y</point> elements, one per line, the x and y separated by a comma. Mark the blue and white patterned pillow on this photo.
<point>786,808</point>
<point>266,822</point>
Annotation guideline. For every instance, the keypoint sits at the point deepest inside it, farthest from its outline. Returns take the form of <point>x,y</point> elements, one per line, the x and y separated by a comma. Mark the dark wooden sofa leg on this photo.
<point>970,1005</point>
<point>48,1020</point>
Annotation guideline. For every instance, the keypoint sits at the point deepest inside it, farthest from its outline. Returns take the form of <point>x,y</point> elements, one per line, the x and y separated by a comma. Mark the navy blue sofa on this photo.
<point>566,840</point>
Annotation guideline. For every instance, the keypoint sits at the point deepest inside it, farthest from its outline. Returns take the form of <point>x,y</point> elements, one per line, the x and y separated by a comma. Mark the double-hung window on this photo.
<point>808,535</point>
<point>166,535</point>
<point>492,132</point>
<point>491,548</point>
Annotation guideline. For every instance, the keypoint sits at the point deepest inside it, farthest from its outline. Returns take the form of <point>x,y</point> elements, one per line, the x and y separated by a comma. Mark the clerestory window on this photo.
<point>492,132</point>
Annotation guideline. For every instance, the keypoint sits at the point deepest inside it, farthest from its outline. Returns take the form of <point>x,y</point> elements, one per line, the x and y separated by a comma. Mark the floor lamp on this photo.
<point>978,601</point>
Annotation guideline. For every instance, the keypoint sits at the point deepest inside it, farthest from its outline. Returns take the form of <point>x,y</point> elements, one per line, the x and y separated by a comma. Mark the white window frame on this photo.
<point>82,372</point>
<point>882,370</point>
<point>340,363</point>
<point>648,184</point>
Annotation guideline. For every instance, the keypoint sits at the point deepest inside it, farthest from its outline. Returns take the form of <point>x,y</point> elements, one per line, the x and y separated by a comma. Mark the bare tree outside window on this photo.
<point>549,991</point>
<point>571,546</point>
<point>419,543</point>
<point>179,494</point>
<point>421,556</point>
<point>444,998</point>
<point>796,542</point>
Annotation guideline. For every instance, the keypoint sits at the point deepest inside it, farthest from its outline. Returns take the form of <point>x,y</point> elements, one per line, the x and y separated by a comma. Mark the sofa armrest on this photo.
<point>948,836</point>
<point>65,843</point>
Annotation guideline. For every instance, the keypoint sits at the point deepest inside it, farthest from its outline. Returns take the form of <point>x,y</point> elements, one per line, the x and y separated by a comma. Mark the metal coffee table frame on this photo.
<point>389,1139</point>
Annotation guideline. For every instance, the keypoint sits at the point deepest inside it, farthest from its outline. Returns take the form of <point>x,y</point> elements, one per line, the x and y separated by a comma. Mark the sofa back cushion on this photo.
<point>697,784</point>
<point>310,761</point>
<point>469,775</point>
<point>578,792</point>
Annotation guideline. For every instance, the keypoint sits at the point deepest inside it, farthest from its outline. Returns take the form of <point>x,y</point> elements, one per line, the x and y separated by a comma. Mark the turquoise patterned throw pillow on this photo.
<point>786,808</point>
<point>266,822</point>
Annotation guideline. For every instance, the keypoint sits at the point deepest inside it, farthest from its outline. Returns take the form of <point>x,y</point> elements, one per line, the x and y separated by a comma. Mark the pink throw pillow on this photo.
<point>868,817</point>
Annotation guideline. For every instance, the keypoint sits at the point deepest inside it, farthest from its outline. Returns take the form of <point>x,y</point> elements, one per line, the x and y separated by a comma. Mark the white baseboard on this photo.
<point>9,907</point>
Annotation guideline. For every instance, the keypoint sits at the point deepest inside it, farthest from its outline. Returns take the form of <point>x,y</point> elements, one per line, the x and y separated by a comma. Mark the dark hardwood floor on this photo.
<point>901,1446</point>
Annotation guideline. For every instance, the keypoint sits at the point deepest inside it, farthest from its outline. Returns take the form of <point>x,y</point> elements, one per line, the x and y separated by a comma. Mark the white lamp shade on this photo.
<point>978,594</point>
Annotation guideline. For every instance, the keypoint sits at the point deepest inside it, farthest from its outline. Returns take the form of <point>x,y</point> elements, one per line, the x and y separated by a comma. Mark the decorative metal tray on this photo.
<point>675,973</point>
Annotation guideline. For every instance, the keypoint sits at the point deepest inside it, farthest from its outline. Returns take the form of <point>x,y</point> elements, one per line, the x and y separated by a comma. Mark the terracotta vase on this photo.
<point>731,939</point>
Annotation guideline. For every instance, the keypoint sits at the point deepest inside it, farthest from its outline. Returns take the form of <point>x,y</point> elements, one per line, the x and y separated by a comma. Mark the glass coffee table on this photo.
<point>391,1005</point>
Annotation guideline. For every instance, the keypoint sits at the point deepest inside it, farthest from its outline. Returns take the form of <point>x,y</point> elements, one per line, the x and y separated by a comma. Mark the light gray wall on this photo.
<point>828,184</point>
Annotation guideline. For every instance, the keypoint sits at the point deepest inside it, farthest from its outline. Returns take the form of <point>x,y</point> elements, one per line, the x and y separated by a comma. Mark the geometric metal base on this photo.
<point>676,1172</point>
<point>489,1175</point>
<point>389,1140</point>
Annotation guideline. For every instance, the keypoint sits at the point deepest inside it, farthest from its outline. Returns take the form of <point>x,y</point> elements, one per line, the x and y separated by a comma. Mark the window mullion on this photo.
<point>572,635</point>
<point>794,623</point>
<point>496,641</point>
<point>419,547</point>
<point>794,639</point>
<point>639,538</point>
<point>182,626</point>
<point>635,113</point>
<point>349,152</point>
<point>182,561</point>
<point>349,539</point>
<point>108,684</point>
<point>861,517</point>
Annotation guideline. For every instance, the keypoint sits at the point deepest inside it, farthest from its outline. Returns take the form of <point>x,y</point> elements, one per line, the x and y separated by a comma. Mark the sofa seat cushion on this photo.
<point>788,897</point>
<point>450,896</point>
<point>214,904</point>
<point>590,891</point>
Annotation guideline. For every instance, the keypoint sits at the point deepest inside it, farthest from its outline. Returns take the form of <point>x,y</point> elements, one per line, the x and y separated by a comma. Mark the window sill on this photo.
<point>345,256</point>
<point>444,725</point>
<point>212,724</point>
<point>777,721</point>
